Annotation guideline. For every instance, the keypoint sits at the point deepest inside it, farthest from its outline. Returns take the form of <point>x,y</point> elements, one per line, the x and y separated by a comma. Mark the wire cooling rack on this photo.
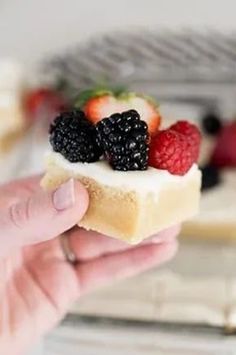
<point>164,56</point>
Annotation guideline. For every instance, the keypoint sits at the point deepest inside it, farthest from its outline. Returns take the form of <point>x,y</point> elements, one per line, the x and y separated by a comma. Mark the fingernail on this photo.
<point>64,196</point>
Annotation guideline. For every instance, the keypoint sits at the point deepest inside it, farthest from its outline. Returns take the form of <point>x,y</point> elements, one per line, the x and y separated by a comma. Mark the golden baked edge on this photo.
<point>128,215</point>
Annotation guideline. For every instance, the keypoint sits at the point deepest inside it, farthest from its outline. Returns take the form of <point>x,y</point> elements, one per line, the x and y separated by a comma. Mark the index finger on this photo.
<point>89,244</point>
<point>101,271</point>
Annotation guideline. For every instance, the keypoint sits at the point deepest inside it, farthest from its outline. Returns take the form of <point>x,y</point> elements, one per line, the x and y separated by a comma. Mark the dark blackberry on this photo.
<point>123,137</point>
<point>210,177</point>
<point>72,135</point>
<point>211,123</point>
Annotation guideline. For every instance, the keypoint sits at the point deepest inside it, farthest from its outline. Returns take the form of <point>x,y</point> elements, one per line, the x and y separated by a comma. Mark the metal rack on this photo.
<point>163,56</point>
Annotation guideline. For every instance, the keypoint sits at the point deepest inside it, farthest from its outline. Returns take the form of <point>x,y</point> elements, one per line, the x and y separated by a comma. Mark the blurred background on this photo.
<point>183,53</point>
<point>25,28</point>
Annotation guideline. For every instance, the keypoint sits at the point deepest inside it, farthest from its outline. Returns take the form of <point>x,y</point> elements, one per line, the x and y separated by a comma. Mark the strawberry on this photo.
<point>43,97</point>
<point>98,104</point>
<point>192,133</point>
<point>224,153</point>
<point>169,150</point>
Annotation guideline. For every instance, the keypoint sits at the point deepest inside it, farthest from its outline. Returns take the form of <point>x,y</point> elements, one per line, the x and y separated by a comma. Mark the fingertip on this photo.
<point>171,231</point>
<point>171,249</point>
<point>166,235</point>
<point>175,229</point>
<point>160,253</point>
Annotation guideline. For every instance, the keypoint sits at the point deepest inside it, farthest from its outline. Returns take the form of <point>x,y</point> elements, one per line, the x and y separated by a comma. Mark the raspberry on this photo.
<point>170,151</point>
<point>72,135</point>
<point>224,153</point>
<point>123,138</point>
<point>192,133</point>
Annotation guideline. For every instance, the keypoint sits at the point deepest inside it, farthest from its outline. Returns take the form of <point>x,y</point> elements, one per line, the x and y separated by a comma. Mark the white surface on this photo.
<point>161,296</point>
<point>95,339</point>
<point>37,349</point>
<point>198,286</point>
<point>29,29</point>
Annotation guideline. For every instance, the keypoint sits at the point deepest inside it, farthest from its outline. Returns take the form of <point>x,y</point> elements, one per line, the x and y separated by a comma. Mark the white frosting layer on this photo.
<point>145,181</point>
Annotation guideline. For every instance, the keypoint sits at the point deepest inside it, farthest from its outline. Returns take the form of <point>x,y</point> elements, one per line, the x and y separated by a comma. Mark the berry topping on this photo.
<point>169,150</point>
<point>224,154</point>
<point>192,134</point>
<point>210,177</point>
<point>72,135</point>
<point>43,98</point>
<point>124,139</point>
<point>98,104</point>
<point>211,124</point>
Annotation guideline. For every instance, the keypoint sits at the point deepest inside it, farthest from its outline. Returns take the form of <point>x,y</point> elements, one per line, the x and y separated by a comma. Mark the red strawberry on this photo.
<point>192,133</point>
<point>169,150</point>
<point>224,154</point>
<point>100,104</point>
<point>43,97</point>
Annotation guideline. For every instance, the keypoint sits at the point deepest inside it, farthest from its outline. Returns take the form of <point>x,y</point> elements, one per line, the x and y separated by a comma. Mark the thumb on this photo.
<point>43,215</point>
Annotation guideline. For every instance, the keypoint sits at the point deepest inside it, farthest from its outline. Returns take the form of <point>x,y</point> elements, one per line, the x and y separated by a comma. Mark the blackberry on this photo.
<point>123,137</point>
<point>211,123</point>
<point>72,135</point>
<point>210,177</point>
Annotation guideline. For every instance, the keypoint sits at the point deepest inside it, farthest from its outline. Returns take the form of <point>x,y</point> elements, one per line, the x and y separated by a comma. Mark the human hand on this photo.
<point>37,283</point>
